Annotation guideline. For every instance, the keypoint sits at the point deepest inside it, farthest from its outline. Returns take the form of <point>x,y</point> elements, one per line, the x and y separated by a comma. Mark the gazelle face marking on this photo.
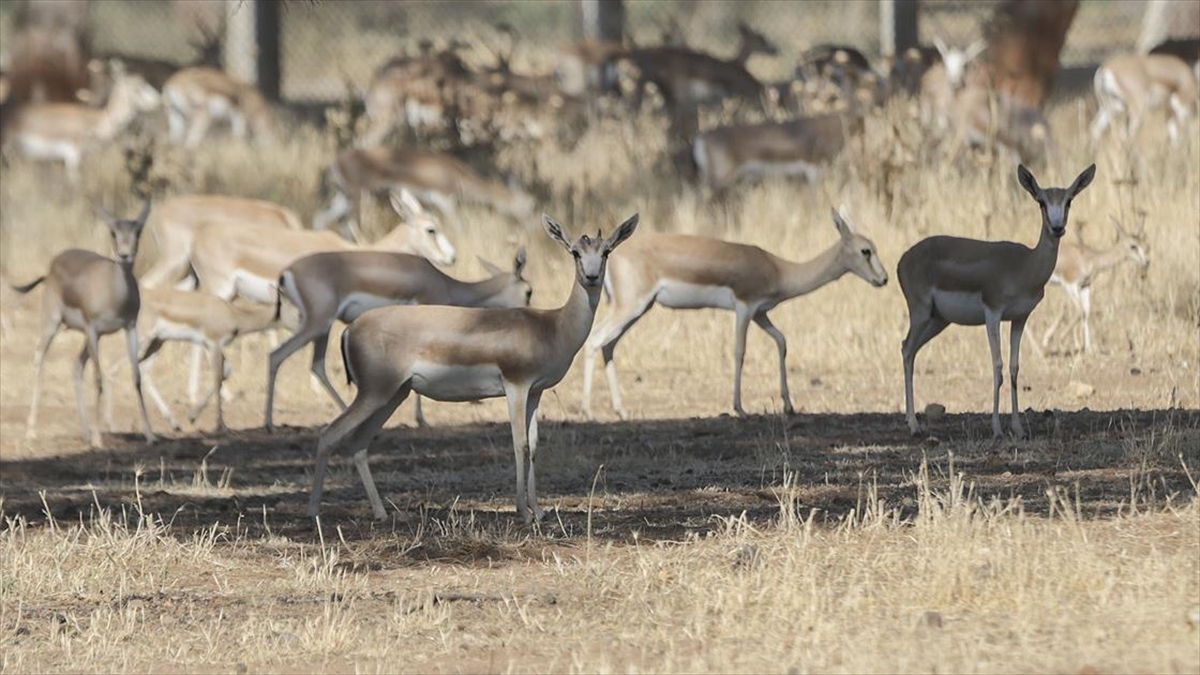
<point>425,235</point>
<point>126,233</point>
<point>858,253</point>
<point>590,253</point>
<point>1054,202</point>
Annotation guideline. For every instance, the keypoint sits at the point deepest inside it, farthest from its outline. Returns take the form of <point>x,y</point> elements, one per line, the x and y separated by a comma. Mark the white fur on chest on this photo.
<point>442,382</point>
<point>682,295</point>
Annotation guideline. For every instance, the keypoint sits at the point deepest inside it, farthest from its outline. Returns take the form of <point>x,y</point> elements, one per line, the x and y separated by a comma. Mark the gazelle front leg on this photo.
<point>131,346</point>
<point>765,323</point>
<point>518,411</point>
<point>531,416</point>
<point>90,434</point>
<point>147,360</point>
<point>1085,308</point>
<point>992,319</point>
<point>741,325</point>
<point>39,362</point>
<point>1014,365</point>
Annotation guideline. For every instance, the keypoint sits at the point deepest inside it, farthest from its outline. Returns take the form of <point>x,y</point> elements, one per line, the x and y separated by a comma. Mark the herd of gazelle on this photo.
<point>415,330</point>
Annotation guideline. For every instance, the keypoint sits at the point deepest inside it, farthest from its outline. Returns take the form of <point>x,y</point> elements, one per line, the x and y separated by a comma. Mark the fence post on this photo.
<point>897,26</point>
<point>240,51</point>
<point>266,30</point>
<point>603,19</point>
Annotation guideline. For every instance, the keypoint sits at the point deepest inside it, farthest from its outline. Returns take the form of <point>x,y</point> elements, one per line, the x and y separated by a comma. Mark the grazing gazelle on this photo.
<point>970,283</point>
<point>204,320</point>
<point>67,131</point>
<point>463,354</point>
<point>1078,266</point>
<point>88,292</point>
<point>688,272</point>
<point>1135,84</point>
<point>341,285</point>
<point>195,97</point>
<point>436,178</point>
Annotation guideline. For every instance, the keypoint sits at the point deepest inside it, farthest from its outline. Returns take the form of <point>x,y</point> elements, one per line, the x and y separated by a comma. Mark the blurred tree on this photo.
<point>1025,38</point>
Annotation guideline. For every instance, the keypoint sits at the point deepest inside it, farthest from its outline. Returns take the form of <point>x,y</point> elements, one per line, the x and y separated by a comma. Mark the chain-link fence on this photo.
<point>327,43</point>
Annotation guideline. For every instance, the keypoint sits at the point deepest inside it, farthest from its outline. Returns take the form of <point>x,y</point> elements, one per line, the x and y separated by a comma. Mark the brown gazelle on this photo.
<point>970,283</point>
<point>203,320</point>
<point>196,97</point>
<point>341,286</point>
<point>88,292</point>
<point>462,354</point>
<point>688,272</point>
<point>1078,266</point>
<point>1135,84</point>
<point>438,179</point>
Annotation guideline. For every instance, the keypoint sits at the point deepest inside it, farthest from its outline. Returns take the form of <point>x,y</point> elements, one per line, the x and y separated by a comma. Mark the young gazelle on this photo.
<point>195,97</point>
<point>970,283</point>
<point>1078,266</point>
<point>204,320</point>
<point>461,354</point>
<point>1135,84</point>
<point>341,285</point>
<point>688,272</point>
<point>88,292</point>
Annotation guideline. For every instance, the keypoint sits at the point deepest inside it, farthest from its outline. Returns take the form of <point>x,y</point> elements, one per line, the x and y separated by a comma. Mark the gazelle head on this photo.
<point>955,61</point>
<point>125,232</point>
<point>754,42</point>
<point>591,254</point>
<point>1133,244</point>
<point>516,292</point>
<point>130,91</point>
<point>425,238</point>
<point>1055,202</point>
<point>858,253</point>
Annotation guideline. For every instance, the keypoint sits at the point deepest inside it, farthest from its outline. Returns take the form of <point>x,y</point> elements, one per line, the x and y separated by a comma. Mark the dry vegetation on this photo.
<point>818,543</point>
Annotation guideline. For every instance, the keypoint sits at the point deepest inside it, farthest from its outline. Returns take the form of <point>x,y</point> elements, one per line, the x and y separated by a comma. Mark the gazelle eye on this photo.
<point>575,254</point>
<point>431,231</point>
<point>866,253</point>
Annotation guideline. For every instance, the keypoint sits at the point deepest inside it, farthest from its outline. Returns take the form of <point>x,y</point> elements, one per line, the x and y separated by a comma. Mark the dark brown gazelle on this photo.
<point>95,295</point>
<point>464,354</point>
<point>970,283</point>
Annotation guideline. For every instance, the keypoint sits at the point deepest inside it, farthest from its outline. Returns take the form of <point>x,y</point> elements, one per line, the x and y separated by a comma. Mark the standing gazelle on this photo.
<point>463,354</point>
<point>96,295</point>
<point>970,282</point>
<point>688,272</point>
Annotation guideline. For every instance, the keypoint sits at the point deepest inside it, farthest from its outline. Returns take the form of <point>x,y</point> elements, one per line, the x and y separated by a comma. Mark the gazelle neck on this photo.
<point>474,293</point>
<point>573,321</point>
<point>808,276</point>
<point>395,241</point>
<point>115,116</point>
<point>1107,259</point>
<point>1044,258</point>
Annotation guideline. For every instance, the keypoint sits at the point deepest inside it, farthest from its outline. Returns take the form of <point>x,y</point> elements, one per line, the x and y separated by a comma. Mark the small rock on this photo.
<point>816,382</point>
<point>930,619</point>
<point>935,412</point>
<point>1135,371</point>
<point>1080,389</point>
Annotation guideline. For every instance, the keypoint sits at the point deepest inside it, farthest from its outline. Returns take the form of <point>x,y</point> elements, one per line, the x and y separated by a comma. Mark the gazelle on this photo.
<point>460,354</point>
<point>88,292</point>
<point>1135,84</point>
<point>436,178</point>
<point>340,286</point>
<point>203,320</point>
<point>176,220</point>
<point>941,82</point>
<point>687,272</point>
<point>1078,266</point>
<point>67,131</point>
<point>970,282</point>
<point>195,97</point>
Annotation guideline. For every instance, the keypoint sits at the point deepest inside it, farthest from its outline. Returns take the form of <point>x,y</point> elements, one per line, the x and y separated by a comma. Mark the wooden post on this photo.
<point>240,50</point>
<point>266,31</point>
<point>898,28</point>
<point>603,19</point>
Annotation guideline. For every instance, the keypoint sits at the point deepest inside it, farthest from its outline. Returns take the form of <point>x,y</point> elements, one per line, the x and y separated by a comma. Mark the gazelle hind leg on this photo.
<point>605,339</point>
<point>765,323</point>
<point>147,362</point>
<point>531,426</point>
<point>49,331</point>
<point>280,354</point>
<point>131,347</point>
<point>992,321</point>
<point>1014,365</point>
<point>923,327</point>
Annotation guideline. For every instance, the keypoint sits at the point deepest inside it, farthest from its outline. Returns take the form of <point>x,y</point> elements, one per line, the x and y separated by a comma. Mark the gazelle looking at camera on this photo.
<point>95,295</point>
<point>1135,84</point>
<point>342,285</point>
<point>941,83</point>
<point>203,320</point>
<point>1078,266</point>
<point>195,97</point>
<point>970,283</point>
<point>689,272</point>
<point>461,354</point>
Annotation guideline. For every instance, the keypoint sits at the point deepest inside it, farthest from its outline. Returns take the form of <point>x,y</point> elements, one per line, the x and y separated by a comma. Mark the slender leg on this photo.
<point>176,125</point>
<point>765,323</point>
<point>49,331</point>
<point>193,389</point>
<point>1100,123</point>
<point>1085,306</point>
<point>419,414</point>
<point>1014,365</point>
<point>992,319</point>
<point>741,325</point>
<point>531,424</point>
<point>605,339</point>
<point>217,356</point>
<point>923,327</point>
<point>147,362</point>
<point>198,129</point>
<point>518,401</point>
<point>89,434</point>
<point>280,354</point>
<point>131,346</point>
<point>320,346</point>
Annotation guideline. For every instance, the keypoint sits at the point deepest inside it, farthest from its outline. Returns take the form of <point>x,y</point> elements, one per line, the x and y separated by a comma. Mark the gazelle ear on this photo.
<point>489,267</point>
<point>1027,181</point>
<point>555,231</point>
<point>404,203</point>
<point>623,232</point>
<point>519,261</point>
<point>102,212</point>
<point>1084,180</point>
<point>940,46</point>
<point>141,219</point>
<point>975,49</point>
<point>1117,225</point>
<point>843,226</point>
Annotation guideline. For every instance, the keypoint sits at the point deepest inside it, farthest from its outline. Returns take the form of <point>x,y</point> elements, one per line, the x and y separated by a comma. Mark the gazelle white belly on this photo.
<point>355,304</point>
<point>682,295</point>
<point>443,382</point>
<point>760,168</point>
<point>41,148</point>
<point>170,330</point>
<point>255,288</point>
<point>959,307</point>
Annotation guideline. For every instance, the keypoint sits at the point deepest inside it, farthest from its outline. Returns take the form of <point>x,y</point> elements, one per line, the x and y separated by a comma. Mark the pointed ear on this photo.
<point>1084,180</point>
<point>1117,225</point>
<point>975,49</point>
<point>519,262</point>
<point>843,226</point>
<point>489,267</point>
<point>102,213</point>
<point>555,231</point>
<point>1027,181</point>
<point>623,232</point>
<point>141,219</point>
<point>940,46</point>
<point>405,203</point>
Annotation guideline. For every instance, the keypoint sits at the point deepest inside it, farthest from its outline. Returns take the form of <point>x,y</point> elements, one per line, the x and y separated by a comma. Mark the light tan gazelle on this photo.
<point>195,97</point>
<point>1078,266</point>
<point>203,320</point>
<point>688,272</point>
<point>1135,84</point>
<point>341,285</point>
<point>88,292</point>
<point>463,354</point>
<point>438,179</point>
<point>970,283</point>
